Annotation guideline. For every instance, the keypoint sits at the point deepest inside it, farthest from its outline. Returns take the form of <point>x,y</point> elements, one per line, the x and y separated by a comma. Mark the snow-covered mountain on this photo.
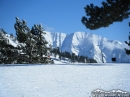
<point>87,44</point>
<point>55,39</point>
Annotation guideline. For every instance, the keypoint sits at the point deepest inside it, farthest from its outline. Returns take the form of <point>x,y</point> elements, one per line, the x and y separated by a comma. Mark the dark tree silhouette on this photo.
<point>128,43</point>
<point>73,57</point>
<point>111,11</point>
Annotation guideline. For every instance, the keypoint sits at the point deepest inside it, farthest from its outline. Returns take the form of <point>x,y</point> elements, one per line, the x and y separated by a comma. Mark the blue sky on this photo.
<point>57,16</point>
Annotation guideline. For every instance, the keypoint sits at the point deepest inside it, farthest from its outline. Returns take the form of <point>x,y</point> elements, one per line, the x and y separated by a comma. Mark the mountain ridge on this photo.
<point>88,44</point>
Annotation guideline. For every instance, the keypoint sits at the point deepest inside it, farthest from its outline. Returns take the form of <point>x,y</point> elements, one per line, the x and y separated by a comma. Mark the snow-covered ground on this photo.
<point>62,80</point>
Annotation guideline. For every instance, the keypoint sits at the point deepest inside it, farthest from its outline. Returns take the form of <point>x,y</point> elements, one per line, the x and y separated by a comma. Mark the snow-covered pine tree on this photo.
<point>7,51</point>
<point>41,43</point>
<point>21,30</point>
<point>34,43</point>
<point>2,47</point>
<point>23,36</point>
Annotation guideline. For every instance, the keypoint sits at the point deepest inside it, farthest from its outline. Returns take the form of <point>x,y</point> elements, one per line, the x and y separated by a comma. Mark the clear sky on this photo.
<point>57,16</point>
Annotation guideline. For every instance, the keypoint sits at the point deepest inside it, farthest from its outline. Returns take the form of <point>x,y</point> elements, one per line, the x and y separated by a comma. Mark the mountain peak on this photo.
<point>88,44</point>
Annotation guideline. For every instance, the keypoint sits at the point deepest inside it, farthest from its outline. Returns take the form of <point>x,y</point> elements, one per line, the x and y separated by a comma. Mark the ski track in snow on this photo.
<point>76,80</point>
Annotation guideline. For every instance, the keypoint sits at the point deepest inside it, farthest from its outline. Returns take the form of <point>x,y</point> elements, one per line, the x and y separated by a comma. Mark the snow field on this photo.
<point>62,80</point>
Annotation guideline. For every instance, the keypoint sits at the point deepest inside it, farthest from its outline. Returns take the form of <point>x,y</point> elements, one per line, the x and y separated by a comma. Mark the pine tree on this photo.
<point>8,53</point>
<point>76,58</point>
<point>34,44</point>
<point>73,57</point>
<point>23,36</point>
<point>67,55</point>
<point>82,59</point>
<point>59,52</point>
<point>128,43</point>
<point>110,11</point>
<point>56,51</point>
<point>3,42</point>
<point>21,30</point>
<point>62,54</point>
<point>41,44</point>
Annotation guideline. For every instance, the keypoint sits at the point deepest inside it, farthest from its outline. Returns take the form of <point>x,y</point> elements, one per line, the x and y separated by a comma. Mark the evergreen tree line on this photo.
<point>71,56</point>
<point>32,46</point>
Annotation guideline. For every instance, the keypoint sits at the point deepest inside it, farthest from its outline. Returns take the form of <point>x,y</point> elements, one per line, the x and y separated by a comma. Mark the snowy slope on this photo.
<point>87,44</point>
<point>55,39</point>
<point>62,80</point>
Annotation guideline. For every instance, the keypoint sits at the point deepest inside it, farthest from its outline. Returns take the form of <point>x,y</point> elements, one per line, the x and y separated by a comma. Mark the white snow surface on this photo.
<point>62,80</point>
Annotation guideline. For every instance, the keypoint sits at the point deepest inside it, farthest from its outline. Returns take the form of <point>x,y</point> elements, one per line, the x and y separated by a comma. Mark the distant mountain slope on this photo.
<point>88,44</point>
<point>55,39</point>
